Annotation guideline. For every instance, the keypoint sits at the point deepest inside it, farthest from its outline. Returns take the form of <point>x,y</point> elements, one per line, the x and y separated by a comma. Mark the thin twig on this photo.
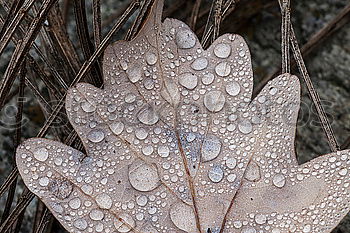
<point>17,139</point>
<point>312,92</point>
<point>228,7</point>
<point>22,49</point>
<point>9,30</point>
<point>141,17</point>
<point>285,10</point>
<point>334,25</point>
<point>97,22</point>
<point>85,42</point>
<point>194,15</point>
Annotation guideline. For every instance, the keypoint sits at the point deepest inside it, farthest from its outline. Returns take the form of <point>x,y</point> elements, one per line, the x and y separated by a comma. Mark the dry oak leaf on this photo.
<point>175,144</point>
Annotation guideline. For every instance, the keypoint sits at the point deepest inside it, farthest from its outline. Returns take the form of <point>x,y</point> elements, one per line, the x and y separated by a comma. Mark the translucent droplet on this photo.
<point>96,135</point>
<point>142,200</point>
<point>200,63</point>
<point>208,78</point>
<point>231,163</point>
<point>343,172</point>
<point>222,50</point>
<point>245,126</point>
<point>148,115</point>
<point>148,83</point>
<point>130,98</point>
<point>141,133</point>
<point>231,178</point>
<point>223,69</point>
<point>117,127</point>
<point>214,101</point>
<point>87,107</point>
<point>163,151</point>
<point>216,174</point>
<point>279,180</point>
<point>307,228</point>
<point>96,214</point>
<point>273,91</point>
<point>80,224</point>
<point>233,88</point>
<point>185,39</point>
<point>87,189</point>
<point>253,172</point>
<point>147,150</point>
<point>134,73</point>
<point>190,137</point>
<point>188,80</point>
<point>41,154</point>
<point>57,208</point>
<point>248,230</point>
<point>183,217</point>
<point>61,189</point>
<point>124,223</point>
<point>151,58</point>
<point>104,201</point>
<point>211,148</point>
<point>44,181</point>
<point>74,203</point>
<point>260,219</point>
<point>170,92</point>
<point>143,177</point>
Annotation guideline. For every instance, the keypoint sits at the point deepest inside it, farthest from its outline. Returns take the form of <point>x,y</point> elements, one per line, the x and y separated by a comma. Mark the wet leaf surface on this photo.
<point>176,144</point>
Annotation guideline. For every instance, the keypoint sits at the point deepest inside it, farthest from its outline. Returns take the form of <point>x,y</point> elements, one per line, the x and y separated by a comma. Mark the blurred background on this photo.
<point>55,38</point>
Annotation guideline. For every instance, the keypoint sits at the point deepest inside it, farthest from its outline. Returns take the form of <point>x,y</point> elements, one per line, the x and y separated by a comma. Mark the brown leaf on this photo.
<point>175,144</point>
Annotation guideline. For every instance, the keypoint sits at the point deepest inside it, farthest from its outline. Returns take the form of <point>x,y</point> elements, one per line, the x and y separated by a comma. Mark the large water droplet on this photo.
<point>96,135</point>
<point>134,73</point>
<point>151,58</point>
<point>104,201</point>
<point>245,126</point>
<point>185,39</point>
<point>253,172</point>
<point>60,188</point>
<point>163,151</point>
<point>231,163</point>
<point>260,218</point>
<point>142,200</point>
<point>143,177</point>
<point>200,63</point>
<point>141,133</point>
<point>117,127</point>
<point>183,217</point>
<point>170,92</point>
<point>214,101</point>
<point>148,115</point>
<point>216,174</point>
<point>44,181</point>
<point>222,50</point>
<point>208,78</point>
<point>96,214</point>
<point>233,88</point>
<point>307,228</point>
<point>74,203</point>
<point>223,69</point>
<point>41,154</point>
<point>80,224</point>
<point>87,107</point>
<point>279,180</point>
<point>188,80</point>
<point>124,223</point>
<point>211,148</point>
